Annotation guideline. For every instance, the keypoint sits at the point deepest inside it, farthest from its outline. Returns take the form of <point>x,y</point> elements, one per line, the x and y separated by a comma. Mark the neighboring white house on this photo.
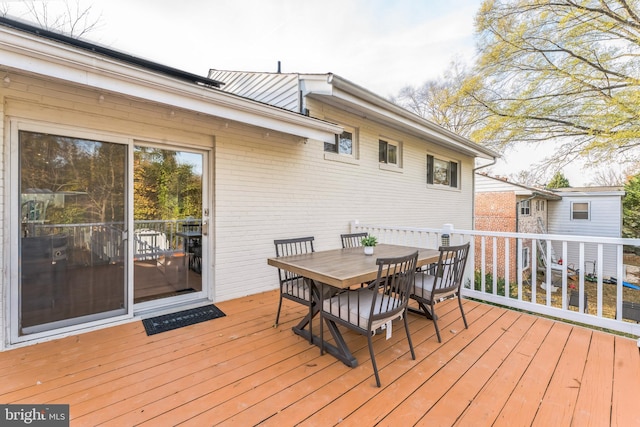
<point>267,172</point>
<point>588,211</point>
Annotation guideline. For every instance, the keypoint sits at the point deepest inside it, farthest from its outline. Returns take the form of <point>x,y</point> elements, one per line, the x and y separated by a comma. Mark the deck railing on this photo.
<point>104,241</point>
<point>500,271</point>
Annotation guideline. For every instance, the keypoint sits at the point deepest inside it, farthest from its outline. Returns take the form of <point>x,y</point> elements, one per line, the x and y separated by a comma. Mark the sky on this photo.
<point>381,45</point>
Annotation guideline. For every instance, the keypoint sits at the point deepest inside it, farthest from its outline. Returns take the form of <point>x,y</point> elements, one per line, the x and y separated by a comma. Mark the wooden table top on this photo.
<point>343,268</point>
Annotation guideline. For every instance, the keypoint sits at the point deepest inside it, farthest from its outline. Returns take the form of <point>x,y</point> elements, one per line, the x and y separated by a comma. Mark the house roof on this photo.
<point>284,89</point>
<point>591,191</point>
<point>108,52</point>
<point>25,48</point>
<point>521,189</point>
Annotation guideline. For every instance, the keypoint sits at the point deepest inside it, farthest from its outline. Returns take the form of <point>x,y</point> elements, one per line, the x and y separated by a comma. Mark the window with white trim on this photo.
<point>579,210</point>
<point>345,144</point>
<point>525,207</point>
<point>442,172</point>
<point>389,152</point>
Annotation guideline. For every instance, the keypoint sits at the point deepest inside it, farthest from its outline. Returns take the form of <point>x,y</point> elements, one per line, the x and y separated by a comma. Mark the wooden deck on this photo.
<point>508,368</point>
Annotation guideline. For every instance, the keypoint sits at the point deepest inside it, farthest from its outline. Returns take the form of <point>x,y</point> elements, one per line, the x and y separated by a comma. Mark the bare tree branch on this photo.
<point>69,17</point>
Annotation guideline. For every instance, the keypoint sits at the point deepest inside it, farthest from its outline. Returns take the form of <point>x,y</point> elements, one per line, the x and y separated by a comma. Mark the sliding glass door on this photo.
<point>72,252</point>
<point>169,233</point>
<point>103,229</point>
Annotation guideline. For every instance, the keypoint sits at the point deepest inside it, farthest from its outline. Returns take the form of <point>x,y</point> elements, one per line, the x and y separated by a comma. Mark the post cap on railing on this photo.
<point>447,229</point>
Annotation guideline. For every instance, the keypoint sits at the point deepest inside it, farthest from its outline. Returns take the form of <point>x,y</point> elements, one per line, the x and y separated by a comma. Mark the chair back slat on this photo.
<point>450,268</point>
<point>441,282</point>
<point>352,240</point>
<point>374,307</point>
<point>393,285</point>
<point>296,246</point>
<point>384,298</point>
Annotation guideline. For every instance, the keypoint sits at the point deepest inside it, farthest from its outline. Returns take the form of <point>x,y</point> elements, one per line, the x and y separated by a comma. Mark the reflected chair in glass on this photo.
<point>444,283</point>
<point>352,240</point>
<point>292,286</point>
<point>192,235</point>
<point>372,309</point>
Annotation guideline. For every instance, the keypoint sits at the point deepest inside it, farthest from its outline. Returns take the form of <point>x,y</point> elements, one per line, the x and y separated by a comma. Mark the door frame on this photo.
<point>157,305</point>
<point>12,213</point>
<point>12,230</point>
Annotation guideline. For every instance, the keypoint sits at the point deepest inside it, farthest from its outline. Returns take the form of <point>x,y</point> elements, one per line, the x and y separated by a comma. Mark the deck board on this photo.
<point>485,407</point>
<point>508,368</point>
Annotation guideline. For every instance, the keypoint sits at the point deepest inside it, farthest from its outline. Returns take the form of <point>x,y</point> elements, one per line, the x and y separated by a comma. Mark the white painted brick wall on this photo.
<point>263,187</point>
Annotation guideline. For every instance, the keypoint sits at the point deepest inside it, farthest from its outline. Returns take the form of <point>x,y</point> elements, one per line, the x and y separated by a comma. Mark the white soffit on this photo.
<point>359,101</point>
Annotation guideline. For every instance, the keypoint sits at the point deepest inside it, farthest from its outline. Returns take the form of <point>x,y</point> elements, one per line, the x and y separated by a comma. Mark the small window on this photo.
<point>540,205</point>
<point>389,152</point>
<point>442,172</point>
<point>526,258</point>
<point>345,143</point>
<point>580,210</point>
<point>525,207</point>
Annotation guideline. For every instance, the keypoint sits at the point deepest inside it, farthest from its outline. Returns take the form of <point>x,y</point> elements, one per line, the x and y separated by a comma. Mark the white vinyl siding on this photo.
<point>605,219</point>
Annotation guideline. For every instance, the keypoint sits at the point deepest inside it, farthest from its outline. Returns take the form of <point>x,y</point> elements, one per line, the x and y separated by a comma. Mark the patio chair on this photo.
<point>352,240</point>
<point>292,286</point>
<point>430,289</point>
<point>371,309</point>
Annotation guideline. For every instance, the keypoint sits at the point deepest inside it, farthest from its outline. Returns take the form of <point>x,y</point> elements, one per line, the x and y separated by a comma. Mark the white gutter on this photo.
<point>22,51</point>
<point>355,94</point>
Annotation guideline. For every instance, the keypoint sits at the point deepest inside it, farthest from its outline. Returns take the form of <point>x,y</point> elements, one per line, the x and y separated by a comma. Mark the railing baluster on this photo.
<point>584,248</point>
<point>507,263</point>
<point>600,270</point>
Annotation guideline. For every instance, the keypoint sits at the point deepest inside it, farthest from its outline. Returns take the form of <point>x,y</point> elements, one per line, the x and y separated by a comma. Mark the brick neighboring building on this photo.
<point>504,206</point>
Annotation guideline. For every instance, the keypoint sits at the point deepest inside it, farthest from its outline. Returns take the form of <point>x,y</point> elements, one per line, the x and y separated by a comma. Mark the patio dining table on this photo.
<point>341,269</point>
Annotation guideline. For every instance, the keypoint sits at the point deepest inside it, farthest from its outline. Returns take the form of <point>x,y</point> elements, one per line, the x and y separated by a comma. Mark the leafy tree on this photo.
<point>631,208</point>
<point>90,173</point>
<point>165,188</point>
<point>558,181</point>
<point>562,70</point>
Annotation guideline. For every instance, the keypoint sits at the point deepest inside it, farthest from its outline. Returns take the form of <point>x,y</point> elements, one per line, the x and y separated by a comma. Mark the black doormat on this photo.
<point>168,322</point>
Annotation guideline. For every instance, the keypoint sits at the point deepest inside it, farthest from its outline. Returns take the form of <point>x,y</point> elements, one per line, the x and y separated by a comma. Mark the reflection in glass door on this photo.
<point>168,232</point>
<point>72,210</point>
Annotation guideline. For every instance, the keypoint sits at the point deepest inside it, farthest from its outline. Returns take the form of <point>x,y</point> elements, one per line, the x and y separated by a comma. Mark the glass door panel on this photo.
<point>167,212</point>
<point>72,253</point>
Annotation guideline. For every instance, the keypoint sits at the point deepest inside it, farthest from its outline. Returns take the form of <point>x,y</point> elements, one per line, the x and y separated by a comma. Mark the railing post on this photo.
<point>447,231</point>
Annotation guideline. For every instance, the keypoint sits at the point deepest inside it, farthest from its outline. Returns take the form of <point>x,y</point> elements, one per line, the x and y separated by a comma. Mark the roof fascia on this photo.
<point>344,93</point>
<point>22,51</point>
<point>590,194</point>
